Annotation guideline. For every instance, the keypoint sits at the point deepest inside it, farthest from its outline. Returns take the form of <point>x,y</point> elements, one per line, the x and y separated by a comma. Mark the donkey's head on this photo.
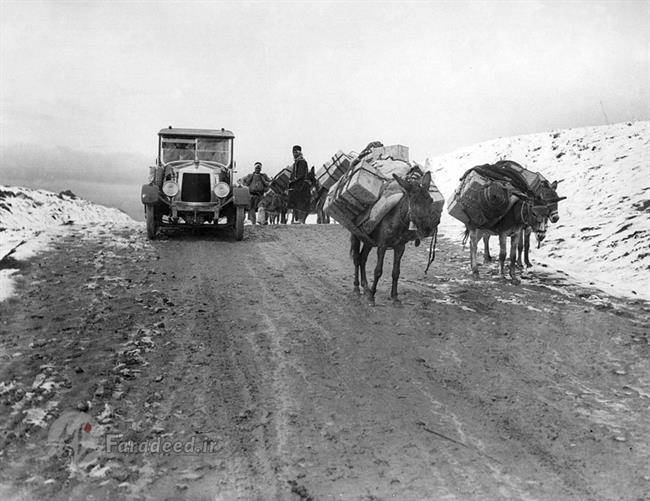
<point>547,196</point>
<point>421,210</point>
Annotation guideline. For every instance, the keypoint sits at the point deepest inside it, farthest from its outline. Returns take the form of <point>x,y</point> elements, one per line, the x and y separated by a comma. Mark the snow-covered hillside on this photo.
<point>603,236</point>
<point>30,218</point>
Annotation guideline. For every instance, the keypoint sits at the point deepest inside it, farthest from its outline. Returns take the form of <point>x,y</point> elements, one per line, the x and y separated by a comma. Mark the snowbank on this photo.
<point>30,219</point>
<point>603,236</point>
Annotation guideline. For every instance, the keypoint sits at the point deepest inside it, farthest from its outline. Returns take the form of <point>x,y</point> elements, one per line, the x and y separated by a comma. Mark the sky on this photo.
<point>85,86</point>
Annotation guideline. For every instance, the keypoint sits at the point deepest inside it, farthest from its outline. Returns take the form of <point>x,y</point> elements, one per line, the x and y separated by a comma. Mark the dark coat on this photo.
<point>299,189</point>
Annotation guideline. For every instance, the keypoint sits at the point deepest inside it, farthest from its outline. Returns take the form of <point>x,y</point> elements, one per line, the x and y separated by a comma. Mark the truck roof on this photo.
<point>170,131</point>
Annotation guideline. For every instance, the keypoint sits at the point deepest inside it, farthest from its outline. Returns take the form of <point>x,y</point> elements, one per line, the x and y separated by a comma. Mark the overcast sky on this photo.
<point>105,77</point>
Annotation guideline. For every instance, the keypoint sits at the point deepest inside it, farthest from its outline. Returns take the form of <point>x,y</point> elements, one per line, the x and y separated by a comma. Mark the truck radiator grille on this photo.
<point>195,188</point>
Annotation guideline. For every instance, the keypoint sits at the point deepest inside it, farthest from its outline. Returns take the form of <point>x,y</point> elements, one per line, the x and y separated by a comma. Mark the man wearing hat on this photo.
<point>257,184</point>
<point>299,189</point>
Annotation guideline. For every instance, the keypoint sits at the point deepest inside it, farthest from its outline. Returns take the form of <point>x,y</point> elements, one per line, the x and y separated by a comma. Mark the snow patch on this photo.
<point>31,219</point>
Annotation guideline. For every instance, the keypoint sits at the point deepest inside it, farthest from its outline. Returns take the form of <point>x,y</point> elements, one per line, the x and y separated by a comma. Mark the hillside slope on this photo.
<point>29,218</point>
<point>603,236</point>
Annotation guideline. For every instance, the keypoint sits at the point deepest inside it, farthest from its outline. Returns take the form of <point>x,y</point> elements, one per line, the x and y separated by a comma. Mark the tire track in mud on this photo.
<point>232,374</point>
<point>558,469</point>
<point>314,294</point>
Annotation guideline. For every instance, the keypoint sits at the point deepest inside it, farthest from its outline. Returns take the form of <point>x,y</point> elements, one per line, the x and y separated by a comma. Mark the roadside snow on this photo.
<point>603,236</point>
<point>31,219</point>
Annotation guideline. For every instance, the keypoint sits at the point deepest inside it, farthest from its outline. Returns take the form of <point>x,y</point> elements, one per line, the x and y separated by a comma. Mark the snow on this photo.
<point>603,236</point>
<point>31,219</point>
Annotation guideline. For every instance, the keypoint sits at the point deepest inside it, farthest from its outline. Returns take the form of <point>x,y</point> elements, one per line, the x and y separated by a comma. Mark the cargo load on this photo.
<point>367,193</point>
<point>394,152</point>
<point>354,193</point>
<point>332,170</point>
<point>280,182</point>
<point>487,192</point>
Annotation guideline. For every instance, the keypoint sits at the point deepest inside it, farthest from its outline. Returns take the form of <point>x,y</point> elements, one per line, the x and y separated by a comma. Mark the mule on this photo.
<point>413,218</point>
<point>532,212</point>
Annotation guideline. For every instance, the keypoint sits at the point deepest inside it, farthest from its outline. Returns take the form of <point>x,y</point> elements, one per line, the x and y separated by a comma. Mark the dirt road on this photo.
<point>467,390</point>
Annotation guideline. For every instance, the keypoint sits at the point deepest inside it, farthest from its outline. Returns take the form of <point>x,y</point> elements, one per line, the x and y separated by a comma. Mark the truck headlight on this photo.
<point>170,188</point>
<point>222,189</point>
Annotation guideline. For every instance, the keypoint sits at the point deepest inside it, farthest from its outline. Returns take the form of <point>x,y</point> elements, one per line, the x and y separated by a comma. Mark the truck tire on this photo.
<point>152,221</point>
<point>239,223</point>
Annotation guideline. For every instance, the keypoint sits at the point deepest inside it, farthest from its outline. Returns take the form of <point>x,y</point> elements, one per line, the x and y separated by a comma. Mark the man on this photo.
<point>299,189</point>
<point>257,184</point>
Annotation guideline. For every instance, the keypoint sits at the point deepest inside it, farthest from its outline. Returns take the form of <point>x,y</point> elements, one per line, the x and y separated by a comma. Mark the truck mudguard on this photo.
<point>150,194</point>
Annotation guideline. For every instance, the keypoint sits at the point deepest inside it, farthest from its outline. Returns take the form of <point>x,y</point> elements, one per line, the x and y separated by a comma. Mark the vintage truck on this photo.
<point>192,183</point>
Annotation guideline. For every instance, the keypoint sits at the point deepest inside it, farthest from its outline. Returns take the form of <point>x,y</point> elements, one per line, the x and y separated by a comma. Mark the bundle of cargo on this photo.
<point>280,182</point>
<point>361,198</point>
<point>487,192</point>
<point>353,194</point>
<point>332,170</point>
<point>394,152</point>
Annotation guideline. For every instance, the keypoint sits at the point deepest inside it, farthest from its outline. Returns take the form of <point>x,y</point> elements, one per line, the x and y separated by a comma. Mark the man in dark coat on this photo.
<point>257,184</point>
<point>299,188</point>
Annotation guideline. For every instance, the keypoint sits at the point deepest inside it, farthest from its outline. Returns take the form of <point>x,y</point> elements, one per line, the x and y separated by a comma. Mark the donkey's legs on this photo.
<point>527,233</point>
<point>520,250</point>
<point>379,269</point>
<point>355,252</point>
<point>514,241</point>
<point>398,252</point>
<point>363,259</point>
<point>486,249</point>
<point>473,244</point>
<point>503,241</point>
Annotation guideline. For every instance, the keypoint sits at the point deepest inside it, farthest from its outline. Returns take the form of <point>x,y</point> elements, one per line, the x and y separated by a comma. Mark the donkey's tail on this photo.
<point>465,236</point>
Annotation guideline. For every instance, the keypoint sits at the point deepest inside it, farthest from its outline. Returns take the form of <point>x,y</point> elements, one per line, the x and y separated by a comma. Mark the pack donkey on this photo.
<point>415,209</point>
<point>530,210</point>
<point>523,244</point>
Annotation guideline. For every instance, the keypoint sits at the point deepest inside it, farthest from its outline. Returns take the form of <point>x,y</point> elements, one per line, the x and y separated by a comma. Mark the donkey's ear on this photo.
<point>401,182</point>
<point>426,180</point>
<point>554,184</point>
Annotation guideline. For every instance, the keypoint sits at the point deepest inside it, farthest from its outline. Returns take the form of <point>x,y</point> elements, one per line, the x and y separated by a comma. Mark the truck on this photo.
<point>192,184</point>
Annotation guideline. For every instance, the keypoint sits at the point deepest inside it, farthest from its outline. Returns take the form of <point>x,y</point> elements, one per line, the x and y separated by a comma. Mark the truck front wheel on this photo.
<point>239,223</point>
<point>152,221</point>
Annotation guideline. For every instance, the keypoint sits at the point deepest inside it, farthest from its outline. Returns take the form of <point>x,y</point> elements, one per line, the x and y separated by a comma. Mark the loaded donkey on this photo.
<point>529,207</point>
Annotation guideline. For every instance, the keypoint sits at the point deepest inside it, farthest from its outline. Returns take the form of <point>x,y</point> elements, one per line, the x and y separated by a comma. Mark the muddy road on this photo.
<point>467,390</point>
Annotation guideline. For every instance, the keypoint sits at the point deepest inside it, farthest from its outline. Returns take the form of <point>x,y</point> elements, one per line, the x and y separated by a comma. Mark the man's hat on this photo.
<point>257,163</point>
<point>297,147</point>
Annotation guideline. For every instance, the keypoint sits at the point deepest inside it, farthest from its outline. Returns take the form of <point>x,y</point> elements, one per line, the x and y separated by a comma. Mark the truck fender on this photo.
<point>150,194</point>
<point>241,196</point>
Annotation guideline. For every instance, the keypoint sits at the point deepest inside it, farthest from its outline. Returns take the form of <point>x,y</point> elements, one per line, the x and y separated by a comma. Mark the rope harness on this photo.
<point>432,249</point>
<point>434,237</point>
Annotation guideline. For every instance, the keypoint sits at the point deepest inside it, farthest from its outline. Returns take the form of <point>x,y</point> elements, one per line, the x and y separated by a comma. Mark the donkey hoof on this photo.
<point>475,274</point>
<point>487,260</point>
<point>516,281</point>
<point>356,291</point>
<point>528,265</point>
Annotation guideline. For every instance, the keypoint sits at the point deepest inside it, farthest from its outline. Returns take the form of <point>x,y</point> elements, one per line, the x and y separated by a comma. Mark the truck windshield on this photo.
<point>206,148</point>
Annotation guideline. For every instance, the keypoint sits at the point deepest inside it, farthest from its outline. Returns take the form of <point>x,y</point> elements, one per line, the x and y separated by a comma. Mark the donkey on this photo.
<point>416,210</point>
<point>523,245</point>
<point>533,212</point>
